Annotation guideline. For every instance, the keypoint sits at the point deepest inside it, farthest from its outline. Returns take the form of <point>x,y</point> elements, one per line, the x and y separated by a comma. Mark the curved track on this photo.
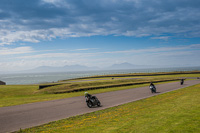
<point>28,115</point>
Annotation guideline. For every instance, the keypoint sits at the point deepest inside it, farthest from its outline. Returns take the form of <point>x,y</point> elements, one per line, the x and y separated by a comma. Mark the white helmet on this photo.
<point>86,93</point>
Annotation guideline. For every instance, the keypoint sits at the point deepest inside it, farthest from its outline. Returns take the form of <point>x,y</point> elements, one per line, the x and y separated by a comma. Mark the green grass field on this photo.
<point>137,75</point>
<point>22,94</point>
<point>63,88</point>
<point>173,112</point>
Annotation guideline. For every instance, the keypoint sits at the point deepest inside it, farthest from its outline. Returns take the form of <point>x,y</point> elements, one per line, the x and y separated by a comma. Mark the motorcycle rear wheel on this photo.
<point>89,104</point>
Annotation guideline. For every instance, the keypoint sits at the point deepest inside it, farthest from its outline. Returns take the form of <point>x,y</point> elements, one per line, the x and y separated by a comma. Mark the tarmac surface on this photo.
<point>13,118</point>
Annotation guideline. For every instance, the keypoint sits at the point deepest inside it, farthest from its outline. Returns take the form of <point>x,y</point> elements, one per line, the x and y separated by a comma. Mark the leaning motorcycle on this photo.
<point>182,81</point>
<point>93,101</point>
<point>152,88</point>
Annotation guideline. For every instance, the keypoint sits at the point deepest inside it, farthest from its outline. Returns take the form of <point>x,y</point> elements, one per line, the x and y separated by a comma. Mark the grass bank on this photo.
<point>133,75</point>
<point>107,81</point>
<point>22,94</point>
<point>176,111</point>
<point>92,85</point>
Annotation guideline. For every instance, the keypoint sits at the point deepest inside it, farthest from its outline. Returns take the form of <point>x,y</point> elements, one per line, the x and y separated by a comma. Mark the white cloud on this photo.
<point>161,38</point>
<point>84,49</point>
<point>51,55</point>
<point>13,51</point>
<point>27,58</point>
<point>54,54</point>
<point>154,50</point>
<point>48,19</point>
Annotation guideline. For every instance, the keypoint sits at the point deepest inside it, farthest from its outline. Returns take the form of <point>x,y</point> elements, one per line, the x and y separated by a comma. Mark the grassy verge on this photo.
<point>133,75</point>
<point>91,85</point>
<point>22,94</point>
<point>176,111</point>
<point>97,82</point>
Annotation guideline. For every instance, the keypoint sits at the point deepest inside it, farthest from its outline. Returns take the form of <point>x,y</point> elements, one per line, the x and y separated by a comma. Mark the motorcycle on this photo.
<point>93,101</point>
<point>182,81</point>
<point>152,88</point>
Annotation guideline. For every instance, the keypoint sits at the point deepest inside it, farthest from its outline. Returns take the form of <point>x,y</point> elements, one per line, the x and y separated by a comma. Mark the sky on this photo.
<point>34,33</point>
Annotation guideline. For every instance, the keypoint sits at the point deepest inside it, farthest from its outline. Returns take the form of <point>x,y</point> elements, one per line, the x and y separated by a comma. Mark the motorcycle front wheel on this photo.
<point>98,103</point>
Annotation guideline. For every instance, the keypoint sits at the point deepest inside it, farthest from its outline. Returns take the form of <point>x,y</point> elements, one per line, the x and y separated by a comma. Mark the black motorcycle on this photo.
<point>152,88</point>
<point>182,81</point>
<point>93,101</point>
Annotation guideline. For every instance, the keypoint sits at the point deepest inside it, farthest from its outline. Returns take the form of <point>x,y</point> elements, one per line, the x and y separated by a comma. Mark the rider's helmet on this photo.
<point>86,93</point>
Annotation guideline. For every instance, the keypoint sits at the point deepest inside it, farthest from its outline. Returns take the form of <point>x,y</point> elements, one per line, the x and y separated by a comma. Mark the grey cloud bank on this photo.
<point>36,20</point>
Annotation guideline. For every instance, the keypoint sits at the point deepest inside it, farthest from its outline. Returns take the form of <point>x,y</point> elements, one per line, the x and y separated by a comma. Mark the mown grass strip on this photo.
<point>135,75</point>
<point>110,86</point>
<point>176,111</point>
<point>93,85</point>
<point>22,94</point>
<point>48,85</point>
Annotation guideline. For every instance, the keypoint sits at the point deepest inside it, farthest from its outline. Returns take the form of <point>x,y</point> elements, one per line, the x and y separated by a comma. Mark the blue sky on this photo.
<point>98,33</point>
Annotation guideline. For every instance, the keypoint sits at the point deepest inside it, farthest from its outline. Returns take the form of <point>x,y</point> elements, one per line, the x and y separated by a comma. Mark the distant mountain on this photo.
<point>67,68</point>
<point>76,68</point>
<point>125,66</point>
<point>73,68</point>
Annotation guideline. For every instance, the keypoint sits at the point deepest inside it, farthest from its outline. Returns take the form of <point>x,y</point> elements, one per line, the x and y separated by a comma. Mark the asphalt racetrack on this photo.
<point>13,118</point>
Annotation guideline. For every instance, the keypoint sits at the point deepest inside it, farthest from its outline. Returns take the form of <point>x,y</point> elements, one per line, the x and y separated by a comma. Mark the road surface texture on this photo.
<point>13,118</point>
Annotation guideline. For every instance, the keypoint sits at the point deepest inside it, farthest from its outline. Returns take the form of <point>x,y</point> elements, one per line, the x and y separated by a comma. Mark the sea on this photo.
<point>38,78</point>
